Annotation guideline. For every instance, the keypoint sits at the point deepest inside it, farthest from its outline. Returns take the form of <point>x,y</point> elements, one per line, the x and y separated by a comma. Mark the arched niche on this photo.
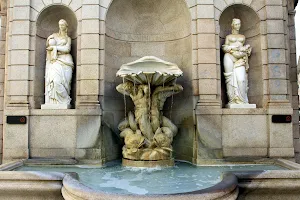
<point>47,24</point>
<point>250,27</point>
<point>137,28</point>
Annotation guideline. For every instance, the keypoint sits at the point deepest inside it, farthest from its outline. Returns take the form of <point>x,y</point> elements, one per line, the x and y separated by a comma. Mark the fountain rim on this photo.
<point>226,187</point>
<point>72,187</point>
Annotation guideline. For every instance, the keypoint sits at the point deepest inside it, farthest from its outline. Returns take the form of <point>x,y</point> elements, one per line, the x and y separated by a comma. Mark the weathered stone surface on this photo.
<point>18,73</point>
<point>206,26</point>
<point>208,56</point>
<point>207,71</point>
<point>52,152</point>
<point>276,41</point>
<point>275,26</point>
<point>89,87</point>
<point>274,12</point>
<point>90,12</point>
<point>206,41</point>
<point>245,152</point>
<point>90,56</point>
<point>205,11</point>
<point>281,135</point>
<point>90,41</point>
<point>90,26</point>
<point>34,185</point>
<point>89,72</point>
<point>277,86</point>
<point>21,13</point>
<point>88,131</point>
<point>52,138</point>
<point>18,88</point>
<point>281,152</point>
<point>208,86</point>
<point>209,128</point>
<point>252,128</point>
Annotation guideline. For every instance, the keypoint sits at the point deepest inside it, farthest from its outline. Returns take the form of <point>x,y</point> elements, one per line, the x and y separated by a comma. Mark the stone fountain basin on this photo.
<point>57,185</point>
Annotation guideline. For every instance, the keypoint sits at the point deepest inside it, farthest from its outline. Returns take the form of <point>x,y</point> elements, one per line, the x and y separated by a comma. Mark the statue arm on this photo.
<point>162,93</point>
<point>50,37</point>
<point>173,88</point>
<point>226,47</point>
<point>239,54</point>
<point>123,89</point>
<point>66,48</point>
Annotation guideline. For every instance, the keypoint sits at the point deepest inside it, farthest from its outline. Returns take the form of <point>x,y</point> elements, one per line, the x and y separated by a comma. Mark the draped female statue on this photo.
<point>59,68</point>
<point>236,65</point>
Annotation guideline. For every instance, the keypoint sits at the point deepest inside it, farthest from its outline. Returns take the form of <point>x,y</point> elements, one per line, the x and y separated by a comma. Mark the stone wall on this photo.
<point>293,85</point>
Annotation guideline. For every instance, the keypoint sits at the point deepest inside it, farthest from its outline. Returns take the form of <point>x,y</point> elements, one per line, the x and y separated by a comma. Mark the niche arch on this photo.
<point>161,28</point>
<point>251,28</point>
<point>47,24</point>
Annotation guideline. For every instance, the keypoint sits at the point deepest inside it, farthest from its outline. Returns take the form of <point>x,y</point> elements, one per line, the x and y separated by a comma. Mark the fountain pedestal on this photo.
<point>147,133</point>
<point>148,163</point>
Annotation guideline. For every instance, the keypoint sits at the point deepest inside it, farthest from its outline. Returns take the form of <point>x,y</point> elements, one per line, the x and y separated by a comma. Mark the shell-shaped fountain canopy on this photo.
<point>150,70</point>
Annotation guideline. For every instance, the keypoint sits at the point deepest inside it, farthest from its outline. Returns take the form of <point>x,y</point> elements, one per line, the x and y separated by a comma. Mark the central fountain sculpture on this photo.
<point>147,133</point>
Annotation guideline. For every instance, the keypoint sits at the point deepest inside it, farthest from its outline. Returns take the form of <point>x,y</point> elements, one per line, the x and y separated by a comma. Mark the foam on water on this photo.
<point>182,178</point>
<point>137,169</point>
<point>123,184</point>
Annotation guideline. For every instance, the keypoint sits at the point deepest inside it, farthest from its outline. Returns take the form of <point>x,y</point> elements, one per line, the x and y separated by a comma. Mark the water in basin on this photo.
<point>182,178</point>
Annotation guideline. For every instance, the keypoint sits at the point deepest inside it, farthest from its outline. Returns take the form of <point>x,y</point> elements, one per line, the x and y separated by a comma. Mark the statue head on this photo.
<point>63,26</point>
<point>236,24</point>
<point>162,140</point>
<point>125,88</point>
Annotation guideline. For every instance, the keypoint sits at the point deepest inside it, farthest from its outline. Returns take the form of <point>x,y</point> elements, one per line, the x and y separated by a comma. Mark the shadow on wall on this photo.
<point>251,29</point>
<point>47,24</point>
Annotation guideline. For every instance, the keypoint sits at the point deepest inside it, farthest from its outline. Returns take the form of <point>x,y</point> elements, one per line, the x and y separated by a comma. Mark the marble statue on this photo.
<point>59,68</point>
<point>147,133</point>
<point>236,67</point>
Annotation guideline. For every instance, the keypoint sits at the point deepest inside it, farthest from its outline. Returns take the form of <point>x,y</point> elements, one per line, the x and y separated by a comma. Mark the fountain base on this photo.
<point>148,163</point>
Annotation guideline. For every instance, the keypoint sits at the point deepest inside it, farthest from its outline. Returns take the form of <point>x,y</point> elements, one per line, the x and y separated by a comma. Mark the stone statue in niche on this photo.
<point>236,67</point>
<point>59,69</point>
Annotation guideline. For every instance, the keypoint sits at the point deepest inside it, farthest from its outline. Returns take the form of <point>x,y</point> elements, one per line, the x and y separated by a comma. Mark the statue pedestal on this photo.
<point>241,106</point>
<point>55,106</point>
<point>148,163</point>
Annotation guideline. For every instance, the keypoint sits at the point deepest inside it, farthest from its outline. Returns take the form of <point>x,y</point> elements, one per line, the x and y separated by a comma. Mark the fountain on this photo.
<point>147,133</point>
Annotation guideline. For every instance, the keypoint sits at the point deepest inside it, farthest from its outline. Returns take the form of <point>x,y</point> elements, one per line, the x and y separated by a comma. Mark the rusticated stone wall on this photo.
<point>3,21</point>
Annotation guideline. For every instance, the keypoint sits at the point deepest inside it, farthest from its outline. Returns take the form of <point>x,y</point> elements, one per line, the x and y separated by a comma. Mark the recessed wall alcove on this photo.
<point>250,27</point>
<point>138,28</point>
<point>47,24</point>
